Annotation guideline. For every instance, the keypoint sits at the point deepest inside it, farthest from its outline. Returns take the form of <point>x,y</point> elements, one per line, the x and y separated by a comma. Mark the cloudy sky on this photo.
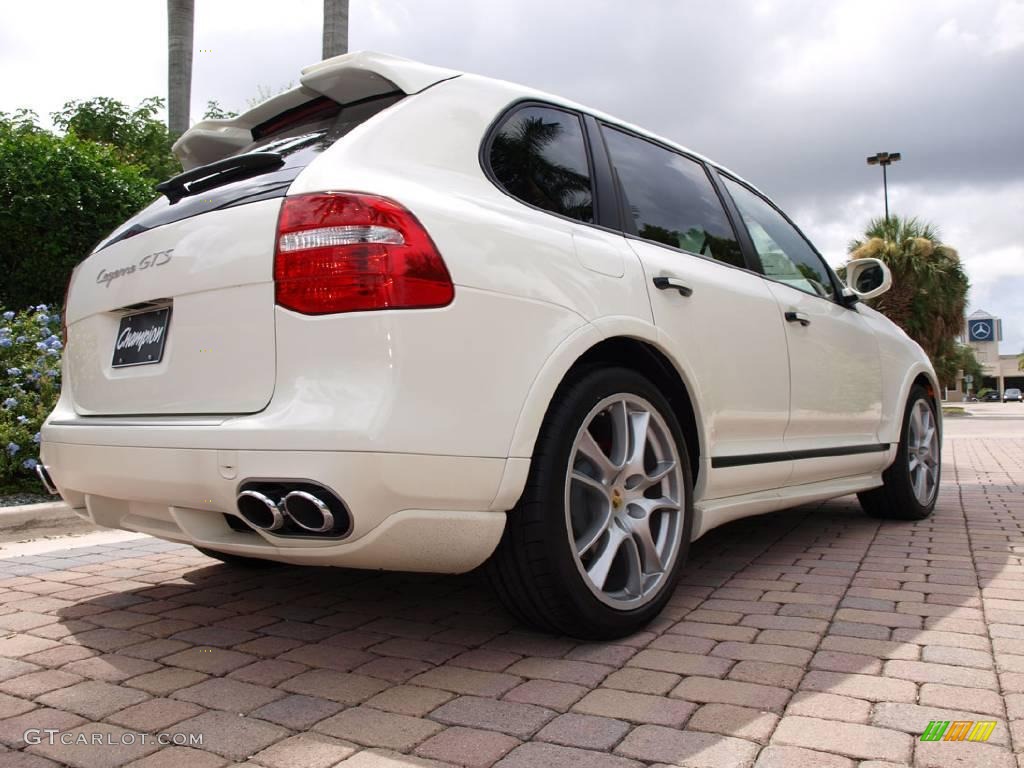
<point>791,94</point>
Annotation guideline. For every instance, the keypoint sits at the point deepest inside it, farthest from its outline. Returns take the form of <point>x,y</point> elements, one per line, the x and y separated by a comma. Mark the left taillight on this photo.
<point>346,252</point>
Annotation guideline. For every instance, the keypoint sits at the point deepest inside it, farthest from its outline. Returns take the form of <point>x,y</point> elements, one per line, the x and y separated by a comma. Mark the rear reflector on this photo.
<point>345,252</point>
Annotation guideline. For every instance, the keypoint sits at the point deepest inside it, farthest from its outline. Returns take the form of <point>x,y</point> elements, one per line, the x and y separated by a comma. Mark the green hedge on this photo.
<point>59,196</point>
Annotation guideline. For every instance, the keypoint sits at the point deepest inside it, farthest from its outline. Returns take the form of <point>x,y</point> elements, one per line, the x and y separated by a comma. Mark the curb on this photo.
<point>51,517</point>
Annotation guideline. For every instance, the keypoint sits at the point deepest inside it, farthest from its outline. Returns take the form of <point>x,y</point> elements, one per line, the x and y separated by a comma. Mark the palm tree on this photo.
<point>929,291</point>
<point>180,18</point>
<point>335,27</point>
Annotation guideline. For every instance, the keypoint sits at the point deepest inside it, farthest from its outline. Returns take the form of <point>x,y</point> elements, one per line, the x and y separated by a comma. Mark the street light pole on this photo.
<point>885,159</point>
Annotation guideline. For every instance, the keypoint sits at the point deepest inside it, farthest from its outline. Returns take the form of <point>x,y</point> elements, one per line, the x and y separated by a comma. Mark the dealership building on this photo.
<point>984,332</point>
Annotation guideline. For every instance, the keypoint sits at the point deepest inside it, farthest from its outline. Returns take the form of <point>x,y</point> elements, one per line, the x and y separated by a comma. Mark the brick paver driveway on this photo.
<point>816,637</point>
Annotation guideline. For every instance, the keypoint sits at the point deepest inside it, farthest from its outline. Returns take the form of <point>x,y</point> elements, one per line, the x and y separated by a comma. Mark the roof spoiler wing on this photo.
<point>347,78</point>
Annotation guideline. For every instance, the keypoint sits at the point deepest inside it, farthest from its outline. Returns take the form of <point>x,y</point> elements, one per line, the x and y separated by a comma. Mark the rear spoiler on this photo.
<point>347,78</point>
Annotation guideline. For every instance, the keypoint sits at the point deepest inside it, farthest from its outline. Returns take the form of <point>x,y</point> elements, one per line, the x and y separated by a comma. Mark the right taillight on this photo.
<point>347,252</point>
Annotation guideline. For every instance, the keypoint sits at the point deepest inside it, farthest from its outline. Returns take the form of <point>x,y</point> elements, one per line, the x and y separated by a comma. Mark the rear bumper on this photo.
<point>412,512</point>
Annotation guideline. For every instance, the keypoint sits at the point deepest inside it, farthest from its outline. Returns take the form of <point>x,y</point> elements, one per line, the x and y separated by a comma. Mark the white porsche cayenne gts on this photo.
<point>405,318</point>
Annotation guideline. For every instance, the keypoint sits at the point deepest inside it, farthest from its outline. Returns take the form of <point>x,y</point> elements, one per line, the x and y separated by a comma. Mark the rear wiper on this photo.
<point>220,172</point>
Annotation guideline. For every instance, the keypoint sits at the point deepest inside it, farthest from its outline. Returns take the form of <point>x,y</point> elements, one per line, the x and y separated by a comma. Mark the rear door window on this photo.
<point>671,198</point>
<point>538,155</point>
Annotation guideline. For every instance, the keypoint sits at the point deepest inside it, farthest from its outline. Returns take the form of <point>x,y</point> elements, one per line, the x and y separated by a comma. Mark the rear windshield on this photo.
<point>298,136</point>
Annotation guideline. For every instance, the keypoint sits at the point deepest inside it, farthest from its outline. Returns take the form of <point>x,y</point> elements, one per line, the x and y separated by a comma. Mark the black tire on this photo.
<point>238,561</point>
<point>895,499</point>
<point>534,569</point>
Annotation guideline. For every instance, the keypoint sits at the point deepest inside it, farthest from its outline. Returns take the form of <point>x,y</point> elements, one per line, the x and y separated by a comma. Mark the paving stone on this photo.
<point>93,699</point>
<point>657,744</point>
<point>297,712</point>
<point>111,667</point>
<point>165,681</point>
<point>472,682</point>
<point>154,715</point>
<point>767,673</point>
<point>860,686</point>
<point>641,681</point>
<point>965,657</point>
<point>712,691</point>
<point>829,707</point>
<point>12,729</point>
<point>410,700</point>
<point>779,654</point>
<point>12,706</point>
<point>513,718</point>
<point>328,656</point>
<point>234,737</point>
<point>714,631</point>
<point>374,728</point>
<point>635,707</point>
<point>961,754</point>
<point>850,739</point>
<point>13,668</point>
<point>468,747</point>
<point>267,671</point>
<point>37,683</point>
<point>584,731</point>
<point>955,697</point>
<point>796,757</point>
<point>729,720</point>
<point>386,758</point>
<point>547,693</point>
<point>230,695</point>
<point>681,663</point>
<point>115,748</point>
<point>560,670</point>
<point>923,672</point>
<point>175,757</point>
<point>837,661</point>
<point>213,661</point>
<point>306,750</point>
<point>343,687</point>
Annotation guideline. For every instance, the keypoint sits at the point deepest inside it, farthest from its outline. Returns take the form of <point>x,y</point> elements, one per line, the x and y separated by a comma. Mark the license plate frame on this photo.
<point>142,351</point>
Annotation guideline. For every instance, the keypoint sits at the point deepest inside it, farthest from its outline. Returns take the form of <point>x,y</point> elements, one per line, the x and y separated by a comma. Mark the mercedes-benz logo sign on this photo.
<point>981,330</point>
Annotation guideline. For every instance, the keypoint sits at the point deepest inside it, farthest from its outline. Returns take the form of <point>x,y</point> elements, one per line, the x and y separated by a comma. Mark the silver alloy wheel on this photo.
<point>624,498</point>
<point>923,452</point>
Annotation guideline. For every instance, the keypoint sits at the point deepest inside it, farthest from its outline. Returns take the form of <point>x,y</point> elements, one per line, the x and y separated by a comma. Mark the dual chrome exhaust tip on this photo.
<point>283,509</point>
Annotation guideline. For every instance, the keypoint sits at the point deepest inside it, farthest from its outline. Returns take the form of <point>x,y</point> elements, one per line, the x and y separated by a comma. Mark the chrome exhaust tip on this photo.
<point>44,477</point>
<point>308,512</point>
<point>259,511</point>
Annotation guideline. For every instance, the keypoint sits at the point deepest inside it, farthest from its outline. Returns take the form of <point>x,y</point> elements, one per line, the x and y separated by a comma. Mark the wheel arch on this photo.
<point>610,342</point>
<point>919,374</point>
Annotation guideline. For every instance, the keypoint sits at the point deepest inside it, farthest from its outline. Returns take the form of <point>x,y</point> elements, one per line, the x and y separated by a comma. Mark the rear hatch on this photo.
<point>173,313</point>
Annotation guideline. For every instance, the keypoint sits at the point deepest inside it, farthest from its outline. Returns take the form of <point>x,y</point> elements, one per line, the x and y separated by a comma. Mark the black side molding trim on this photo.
<point>720,462</point>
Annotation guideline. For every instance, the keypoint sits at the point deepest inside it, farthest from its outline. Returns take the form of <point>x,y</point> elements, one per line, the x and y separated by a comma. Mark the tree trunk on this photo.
<point>180,18</point>
<point>335,27</point>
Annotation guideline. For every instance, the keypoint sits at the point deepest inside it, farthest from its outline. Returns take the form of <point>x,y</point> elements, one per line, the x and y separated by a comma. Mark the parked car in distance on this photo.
<point>1012,394</point>
<point>400,317</point>
<point>992,396</point>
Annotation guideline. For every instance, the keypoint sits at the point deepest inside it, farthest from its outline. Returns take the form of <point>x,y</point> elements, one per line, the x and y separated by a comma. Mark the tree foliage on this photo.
<point>135,135</point>
<point>59,195</point>
<point>929,292</point>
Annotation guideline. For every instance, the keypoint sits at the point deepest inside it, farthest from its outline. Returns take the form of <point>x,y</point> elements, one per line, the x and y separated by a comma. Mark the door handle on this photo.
<point>798,317</point>
<point>664,283</point>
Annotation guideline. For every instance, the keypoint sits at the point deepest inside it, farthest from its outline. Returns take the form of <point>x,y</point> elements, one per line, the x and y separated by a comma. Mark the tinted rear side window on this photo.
<point>671,199</point>
<point>538,155</point>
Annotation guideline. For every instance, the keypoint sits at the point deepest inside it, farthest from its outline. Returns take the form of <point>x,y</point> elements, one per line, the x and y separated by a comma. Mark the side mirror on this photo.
<point>867,278</point>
